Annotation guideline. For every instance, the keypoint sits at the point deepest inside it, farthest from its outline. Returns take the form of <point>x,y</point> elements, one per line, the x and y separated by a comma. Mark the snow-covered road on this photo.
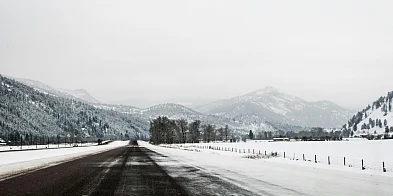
<point>271,177</point>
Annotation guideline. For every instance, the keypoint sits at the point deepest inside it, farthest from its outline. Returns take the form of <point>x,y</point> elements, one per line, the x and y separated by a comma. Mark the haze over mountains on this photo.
<point>260,109</point>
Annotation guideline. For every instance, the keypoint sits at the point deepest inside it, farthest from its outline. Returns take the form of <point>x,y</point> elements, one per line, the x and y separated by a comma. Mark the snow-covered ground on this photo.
<point>372,152</point>
<point>32,147</point>
<point>278,176</point>
<point>20,161</point>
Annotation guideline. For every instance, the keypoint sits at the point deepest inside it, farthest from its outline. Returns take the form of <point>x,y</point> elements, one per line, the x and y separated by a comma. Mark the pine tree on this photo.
<point>251,135</point>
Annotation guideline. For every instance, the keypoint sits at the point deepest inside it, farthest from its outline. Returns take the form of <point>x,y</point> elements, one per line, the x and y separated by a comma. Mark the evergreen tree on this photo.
<point>251,135</point>
<point>226,129</point>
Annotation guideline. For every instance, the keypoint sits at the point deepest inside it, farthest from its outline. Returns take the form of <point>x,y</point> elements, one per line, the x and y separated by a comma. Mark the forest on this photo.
<point>29,116</point>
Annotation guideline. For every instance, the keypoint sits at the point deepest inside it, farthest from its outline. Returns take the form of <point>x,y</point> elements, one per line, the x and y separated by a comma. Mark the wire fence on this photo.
<point>345,161</point>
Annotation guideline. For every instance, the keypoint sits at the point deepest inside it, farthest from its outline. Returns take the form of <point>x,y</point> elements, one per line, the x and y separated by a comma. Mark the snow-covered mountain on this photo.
<point>269,104</point>
<point>28,111</point>
<point>375,119</point>
<point>80,94</point>
<point>177,111</point>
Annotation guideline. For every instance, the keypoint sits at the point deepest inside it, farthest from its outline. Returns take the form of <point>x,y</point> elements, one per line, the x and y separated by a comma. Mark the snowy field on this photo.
<point>14,162</point>
<point>372,152</point>
<point>278,176</point>
<point>32,147</point>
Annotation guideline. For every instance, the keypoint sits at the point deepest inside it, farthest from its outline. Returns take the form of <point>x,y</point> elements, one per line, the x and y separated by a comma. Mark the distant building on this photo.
<point>280,139</point>
<point>2,142</point>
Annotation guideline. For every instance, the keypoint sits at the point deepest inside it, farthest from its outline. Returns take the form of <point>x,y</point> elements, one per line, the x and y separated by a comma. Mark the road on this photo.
<point>130,170</point>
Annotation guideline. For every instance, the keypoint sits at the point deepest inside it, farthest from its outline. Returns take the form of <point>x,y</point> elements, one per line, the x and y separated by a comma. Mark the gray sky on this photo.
<point>185,51</point>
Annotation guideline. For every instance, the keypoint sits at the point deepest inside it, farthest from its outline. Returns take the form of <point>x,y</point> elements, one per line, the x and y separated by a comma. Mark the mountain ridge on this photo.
<point>80,94</point>
<point>375,120</point>
<point>269,104</point>
<point>28,112</point>
<point>257,107</point>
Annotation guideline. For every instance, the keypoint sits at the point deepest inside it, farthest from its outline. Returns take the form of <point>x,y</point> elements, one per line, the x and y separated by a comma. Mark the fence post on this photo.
<point>383,167</point>
<point>344,161</point>
<point>315,158</point>
<point>265,152</point>
<point>284,155</point>
<point>329,160</point>
<point>252,151</point>
<point>259,152</point>
<point>304,159</point>
<point>363,165</point>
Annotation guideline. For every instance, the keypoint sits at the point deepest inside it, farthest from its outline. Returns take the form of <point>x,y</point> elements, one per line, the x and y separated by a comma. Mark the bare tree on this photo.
<point>194,131</point>
<point>208,131</point>
<point>182,126</point>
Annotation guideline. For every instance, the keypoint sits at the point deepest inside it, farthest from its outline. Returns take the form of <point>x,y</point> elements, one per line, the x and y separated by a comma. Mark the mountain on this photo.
<point>79,94</point>
<point>32,113</point>
<point>177,111</point>
<point>174,111</point>
<point>374,120</point>
<point>269,104</point>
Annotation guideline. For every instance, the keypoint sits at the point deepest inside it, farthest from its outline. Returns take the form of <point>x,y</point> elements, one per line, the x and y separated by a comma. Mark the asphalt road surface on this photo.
<point>130,170</point>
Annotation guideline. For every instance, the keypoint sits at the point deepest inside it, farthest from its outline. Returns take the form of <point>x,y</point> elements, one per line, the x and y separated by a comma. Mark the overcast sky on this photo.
<point>184,51</point>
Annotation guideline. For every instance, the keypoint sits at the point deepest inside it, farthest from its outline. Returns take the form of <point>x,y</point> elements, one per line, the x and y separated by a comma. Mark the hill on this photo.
<point>79,94</point>
<point>29,112</point>
<point>375,120</point>
<point>268,104</point>
<point>177,111</point>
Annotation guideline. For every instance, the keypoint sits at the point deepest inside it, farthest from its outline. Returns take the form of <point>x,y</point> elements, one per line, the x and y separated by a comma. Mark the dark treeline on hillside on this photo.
<point>168,131</point>
<point>28,116</point>
<point>314,134</point>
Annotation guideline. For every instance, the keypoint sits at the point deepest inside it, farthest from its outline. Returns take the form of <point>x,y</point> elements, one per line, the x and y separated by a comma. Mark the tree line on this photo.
<point>168,131</point>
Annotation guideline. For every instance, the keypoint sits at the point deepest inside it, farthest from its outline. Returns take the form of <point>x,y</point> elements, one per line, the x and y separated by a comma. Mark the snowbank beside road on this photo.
<point>39,147</point>
<point>276,177</point>
<point>373,152</point>
<point>15,162</point>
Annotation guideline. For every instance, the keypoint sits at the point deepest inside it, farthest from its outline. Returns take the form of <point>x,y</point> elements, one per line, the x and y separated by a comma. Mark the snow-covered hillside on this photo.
<point>268,104</point>
<point>28,112</point>
<point>177,111</point>
<point>79,94</point>
<point>375,120</point>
